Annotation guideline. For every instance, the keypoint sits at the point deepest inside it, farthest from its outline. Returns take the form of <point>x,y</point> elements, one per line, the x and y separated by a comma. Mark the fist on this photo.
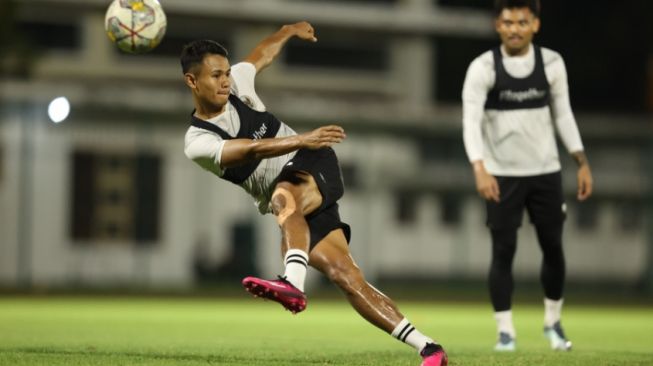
<point>303,30</point>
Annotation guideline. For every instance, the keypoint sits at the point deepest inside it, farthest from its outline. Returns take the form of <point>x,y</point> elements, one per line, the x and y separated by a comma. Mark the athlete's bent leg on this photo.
<point>331,256</point>
<point>291,201</point>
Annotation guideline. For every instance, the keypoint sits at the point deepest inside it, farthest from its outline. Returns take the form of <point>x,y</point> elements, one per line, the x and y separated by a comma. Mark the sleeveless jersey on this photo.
<point>253,125</point>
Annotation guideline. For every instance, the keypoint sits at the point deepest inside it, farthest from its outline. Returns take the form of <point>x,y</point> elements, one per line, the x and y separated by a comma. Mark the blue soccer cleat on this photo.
<point>506,343</point>
<point>556,336</point>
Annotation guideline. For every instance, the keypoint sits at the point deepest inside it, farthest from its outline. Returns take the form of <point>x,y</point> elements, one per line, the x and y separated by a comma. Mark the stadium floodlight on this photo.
<point>58,109</point>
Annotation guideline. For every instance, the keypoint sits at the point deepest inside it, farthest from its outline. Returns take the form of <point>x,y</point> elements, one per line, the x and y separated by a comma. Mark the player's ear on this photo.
<point>536,25</point>
<point>190,80</point>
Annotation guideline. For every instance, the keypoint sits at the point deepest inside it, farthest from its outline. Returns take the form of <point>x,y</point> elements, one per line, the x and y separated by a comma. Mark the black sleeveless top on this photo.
<point>254,125</point>
<point>511,93</point>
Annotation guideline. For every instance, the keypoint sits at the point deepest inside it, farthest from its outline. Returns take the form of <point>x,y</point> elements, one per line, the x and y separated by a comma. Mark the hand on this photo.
<point>584,182</point>
<point>322,137</point>
<point>303,30</point>
<point>486,184</point>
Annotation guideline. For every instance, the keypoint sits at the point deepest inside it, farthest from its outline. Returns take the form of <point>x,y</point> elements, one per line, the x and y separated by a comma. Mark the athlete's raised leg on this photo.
<point>294,197</point>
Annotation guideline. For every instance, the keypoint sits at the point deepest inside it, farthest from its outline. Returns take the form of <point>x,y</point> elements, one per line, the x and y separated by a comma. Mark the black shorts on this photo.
<point>541,195</point>
<point>323,166</point>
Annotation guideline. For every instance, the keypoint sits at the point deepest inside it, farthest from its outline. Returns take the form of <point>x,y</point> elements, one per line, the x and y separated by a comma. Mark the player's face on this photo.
<point>212,82</point>
<point>516,27</point>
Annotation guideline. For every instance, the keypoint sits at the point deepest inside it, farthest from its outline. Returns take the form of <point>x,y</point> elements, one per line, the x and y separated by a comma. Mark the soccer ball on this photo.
<point>135,26</point>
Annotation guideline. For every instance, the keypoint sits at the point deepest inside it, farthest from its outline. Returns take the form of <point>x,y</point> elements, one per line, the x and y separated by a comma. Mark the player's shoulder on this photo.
<point>550,56</point>
<point>243,68</point>
<point>192,133</point>
<point>200,143</point>
<point>483,61</point>
<point>243,76</point>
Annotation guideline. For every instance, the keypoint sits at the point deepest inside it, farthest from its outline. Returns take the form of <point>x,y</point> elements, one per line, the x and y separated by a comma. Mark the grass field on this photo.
<point>191,331</point>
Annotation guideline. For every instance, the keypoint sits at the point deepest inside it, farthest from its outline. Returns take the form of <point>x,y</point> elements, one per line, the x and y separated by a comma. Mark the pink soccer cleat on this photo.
<point>279,290</point>
<point>434,355</point>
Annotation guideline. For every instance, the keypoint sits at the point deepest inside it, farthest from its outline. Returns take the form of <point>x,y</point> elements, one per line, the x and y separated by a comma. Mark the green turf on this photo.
<point>173,331</point>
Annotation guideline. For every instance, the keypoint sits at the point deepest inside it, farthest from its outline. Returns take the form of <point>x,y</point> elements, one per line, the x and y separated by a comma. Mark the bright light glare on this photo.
<point>58,109</point>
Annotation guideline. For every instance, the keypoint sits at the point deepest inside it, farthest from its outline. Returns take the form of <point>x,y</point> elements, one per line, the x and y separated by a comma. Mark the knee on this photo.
<point>549,234</point>
<point>284,202</point>
<point>553,255</point>
<point>504,242</point>
<point>349,279</point>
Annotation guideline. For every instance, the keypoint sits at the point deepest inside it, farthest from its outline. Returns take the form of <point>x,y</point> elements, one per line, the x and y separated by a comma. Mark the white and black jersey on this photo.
<point>512,108</point>
<point>204,146</point>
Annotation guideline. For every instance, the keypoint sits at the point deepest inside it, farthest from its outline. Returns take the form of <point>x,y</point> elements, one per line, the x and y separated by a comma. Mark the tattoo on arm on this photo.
<point>579,158</point>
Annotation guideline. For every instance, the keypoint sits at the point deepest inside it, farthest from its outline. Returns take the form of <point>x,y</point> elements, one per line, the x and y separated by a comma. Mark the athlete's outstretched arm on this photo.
<point>265,52</point>
<point>239,151</point>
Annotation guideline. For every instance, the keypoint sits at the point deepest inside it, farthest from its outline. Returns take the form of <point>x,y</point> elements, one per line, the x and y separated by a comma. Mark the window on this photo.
<point>350,175</point>
<point>406,207</point>
<point>171,46</point>
<point>183,29</point>
<point>453,55</point>
<point>2,163</point>
<point>339,51</point>
<point>371,2</point>
<point>441,149</point>
<point>450,208</point>
<point>587,215</point>
<point>630,214</point>
<point>115,196</point>
<point>474,4</point>
<point>240,262</point>
<point>50,36</point>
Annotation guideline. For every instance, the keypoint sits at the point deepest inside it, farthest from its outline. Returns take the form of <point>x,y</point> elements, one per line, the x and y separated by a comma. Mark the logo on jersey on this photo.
<point>521,96</point>
<point>261,132</point>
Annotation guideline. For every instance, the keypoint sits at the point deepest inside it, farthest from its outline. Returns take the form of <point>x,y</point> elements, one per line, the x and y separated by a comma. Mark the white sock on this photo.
<point>296,261</point>
<point>407,333</point>
<point>504,322</point>
<point>552,311</point>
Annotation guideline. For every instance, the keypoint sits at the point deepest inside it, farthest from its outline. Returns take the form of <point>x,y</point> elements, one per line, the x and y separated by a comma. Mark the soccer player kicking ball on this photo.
<point>513,96</point>
<point>296,177</point>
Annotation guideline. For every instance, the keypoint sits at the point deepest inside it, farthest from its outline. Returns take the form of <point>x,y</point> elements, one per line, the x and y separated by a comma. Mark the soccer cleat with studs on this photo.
<point>556,336</point>
<point>433,355</point>
<point>281,291</point>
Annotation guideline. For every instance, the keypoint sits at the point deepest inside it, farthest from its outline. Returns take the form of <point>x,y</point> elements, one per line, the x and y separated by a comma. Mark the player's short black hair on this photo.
<point>533,5</point>
<point>193,53</point>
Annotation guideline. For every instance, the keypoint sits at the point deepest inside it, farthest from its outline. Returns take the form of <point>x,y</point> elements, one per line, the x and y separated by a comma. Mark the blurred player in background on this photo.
<point>514,97</point>
<point>296,177</point>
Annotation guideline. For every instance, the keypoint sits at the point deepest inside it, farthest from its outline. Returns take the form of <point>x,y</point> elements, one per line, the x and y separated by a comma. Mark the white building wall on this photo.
<point>197,208</point>
<point>9,199</point>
